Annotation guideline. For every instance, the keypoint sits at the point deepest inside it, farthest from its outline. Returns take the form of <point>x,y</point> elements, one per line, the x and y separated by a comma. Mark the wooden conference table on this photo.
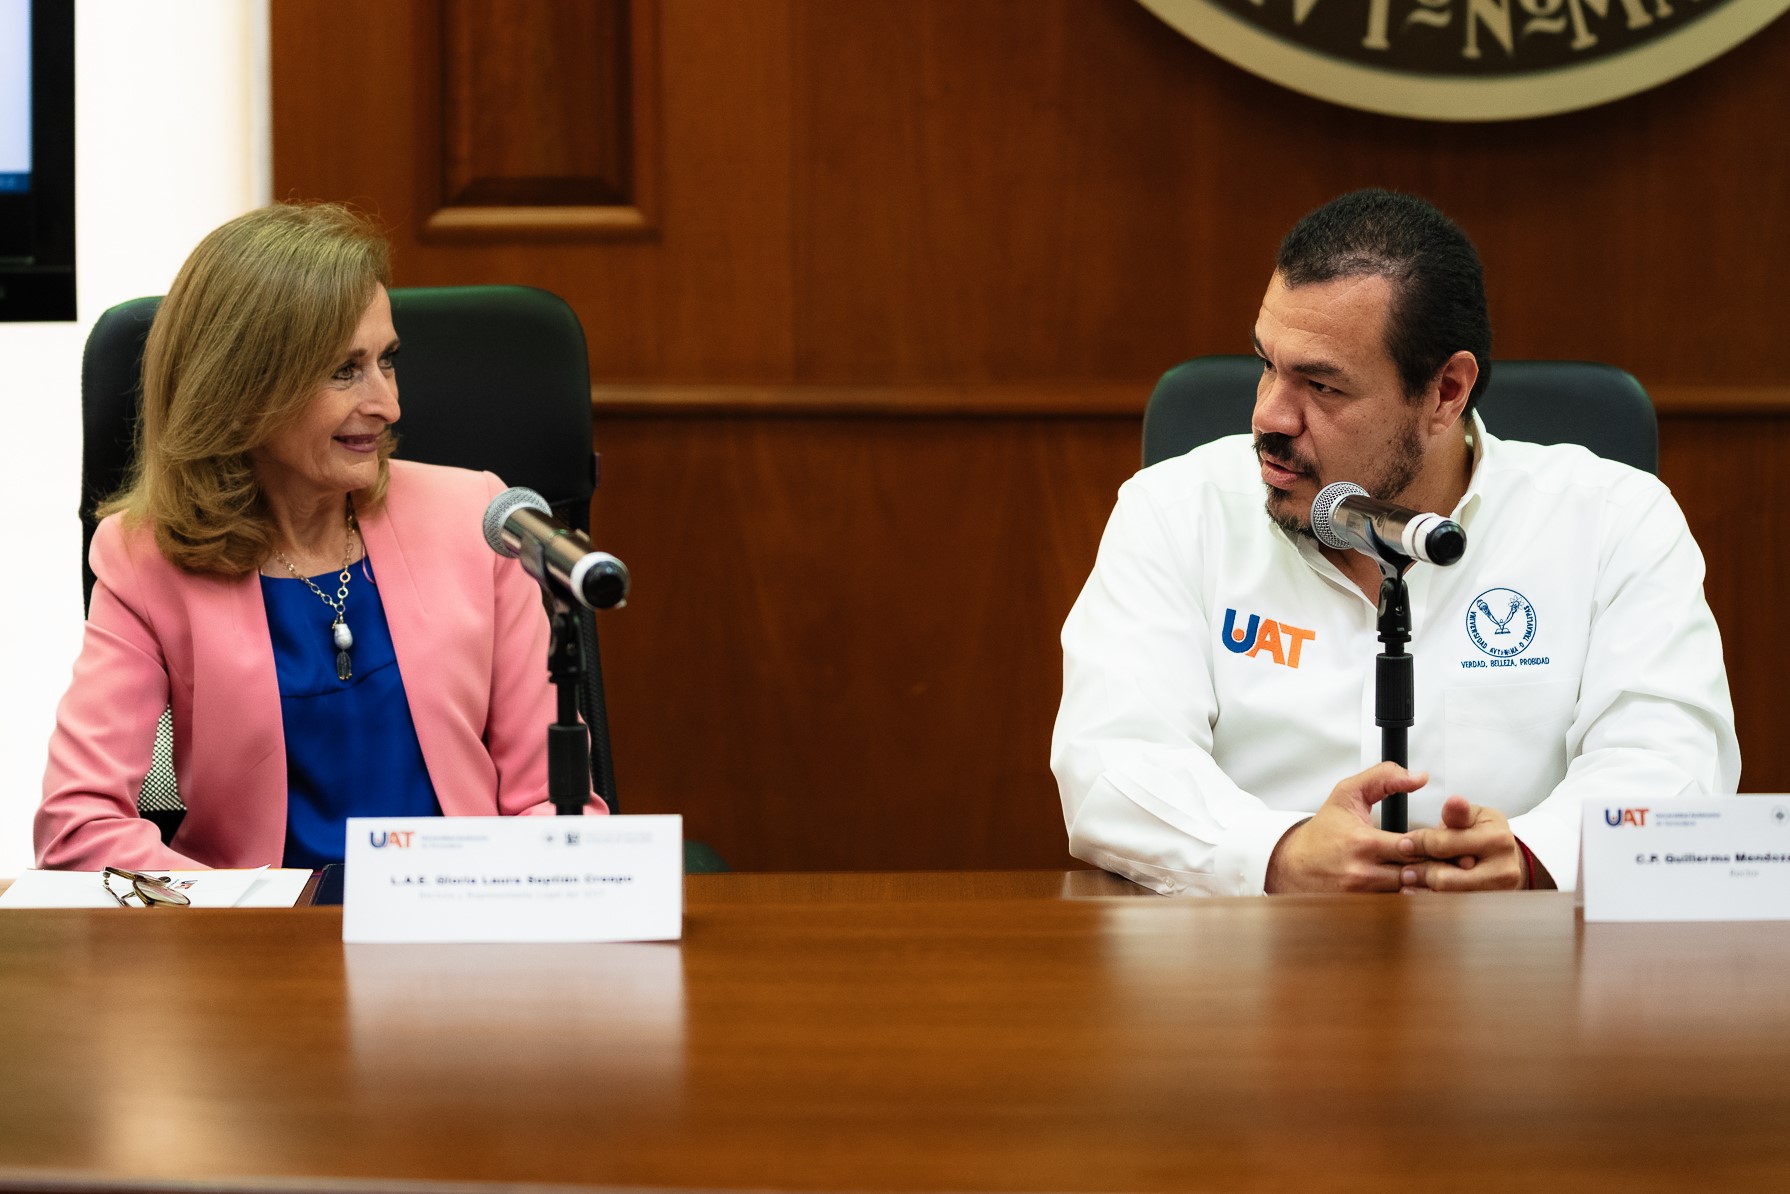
<point>1038,1031</point>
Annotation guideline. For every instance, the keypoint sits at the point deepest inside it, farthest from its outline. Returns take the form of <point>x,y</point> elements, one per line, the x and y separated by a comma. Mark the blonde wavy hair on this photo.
<point>256,321</point>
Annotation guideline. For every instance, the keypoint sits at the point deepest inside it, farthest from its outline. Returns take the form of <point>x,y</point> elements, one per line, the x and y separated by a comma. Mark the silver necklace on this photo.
<point>340,635</point>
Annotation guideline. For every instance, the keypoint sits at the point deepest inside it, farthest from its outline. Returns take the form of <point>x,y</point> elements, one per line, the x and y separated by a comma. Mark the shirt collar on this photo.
<point>1485,445</point>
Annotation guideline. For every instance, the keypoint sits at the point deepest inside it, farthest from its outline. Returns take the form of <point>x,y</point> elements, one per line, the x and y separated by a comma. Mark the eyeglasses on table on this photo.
<point>147,891</point>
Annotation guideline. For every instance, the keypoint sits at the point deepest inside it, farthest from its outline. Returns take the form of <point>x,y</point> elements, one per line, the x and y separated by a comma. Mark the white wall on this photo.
<point>171,140</point>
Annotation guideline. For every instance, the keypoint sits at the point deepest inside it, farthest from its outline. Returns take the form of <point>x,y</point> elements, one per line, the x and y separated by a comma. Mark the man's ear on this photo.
<point>1448,393</point>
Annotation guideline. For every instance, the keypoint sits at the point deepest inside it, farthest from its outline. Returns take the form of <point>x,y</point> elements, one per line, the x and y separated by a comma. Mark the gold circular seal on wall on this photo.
<point>1468,59</point>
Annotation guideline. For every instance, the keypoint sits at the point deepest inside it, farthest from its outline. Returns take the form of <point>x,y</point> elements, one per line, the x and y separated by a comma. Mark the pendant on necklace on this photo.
<point>344,639</point>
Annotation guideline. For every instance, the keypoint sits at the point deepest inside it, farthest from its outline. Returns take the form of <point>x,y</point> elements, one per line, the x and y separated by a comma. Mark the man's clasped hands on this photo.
<point>1340,849</point>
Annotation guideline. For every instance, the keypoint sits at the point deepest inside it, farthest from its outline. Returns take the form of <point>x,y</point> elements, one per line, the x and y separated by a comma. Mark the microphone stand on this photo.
<point>1395,700</point>
<point>569,739</point>
<point>568,742</point>
<point>1376,531</point>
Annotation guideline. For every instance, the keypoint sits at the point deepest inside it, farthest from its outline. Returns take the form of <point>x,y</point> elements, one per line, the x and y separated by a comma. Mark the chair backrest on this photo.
<point>1544,402</point>
<point>491,377</point>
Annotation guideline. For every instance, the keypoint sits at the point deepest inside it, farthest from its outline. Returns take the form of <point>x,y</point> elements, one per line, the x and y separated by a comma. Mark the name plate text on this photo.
<point>496,879</point>
<point>1717,859</point>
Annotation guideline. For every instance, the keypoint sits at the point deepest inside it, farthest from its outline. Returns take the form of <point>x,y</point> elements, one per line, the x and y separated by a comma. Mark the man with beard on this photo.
<point>1216,729</point>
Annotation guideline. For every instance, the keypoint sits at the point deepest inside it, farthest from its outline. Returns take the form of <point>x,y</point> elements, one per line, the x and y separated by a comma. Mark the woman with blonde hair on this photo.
<point>326,624</point>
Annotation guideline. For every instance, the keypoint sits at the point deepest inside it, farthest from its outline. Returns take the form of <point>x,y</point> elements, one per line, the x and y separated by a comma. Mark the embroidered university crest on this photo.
<point>1501,622</point>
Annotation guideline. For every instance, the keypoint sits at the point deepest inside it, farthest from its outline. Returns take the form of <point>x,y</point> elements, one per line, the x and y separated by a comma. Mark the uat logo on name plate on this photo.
<point>1468,59</point>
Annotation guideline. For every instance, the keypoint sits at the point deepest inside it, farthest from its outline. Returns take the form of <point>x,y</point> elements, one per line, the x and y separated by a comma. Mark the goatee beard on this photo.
<point>1288,521</point>
<point>1280,447</point>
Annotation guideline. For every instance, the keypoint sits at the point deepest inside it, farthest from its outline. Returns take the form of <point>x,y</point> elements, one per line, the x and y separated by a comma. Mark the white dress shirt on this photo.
<point>1569,656</point>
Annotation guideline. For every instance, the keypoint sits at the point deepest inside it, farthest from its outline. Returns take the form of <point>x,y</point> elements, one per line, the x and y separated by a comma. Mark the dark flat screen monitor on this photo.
<point>37,160</point>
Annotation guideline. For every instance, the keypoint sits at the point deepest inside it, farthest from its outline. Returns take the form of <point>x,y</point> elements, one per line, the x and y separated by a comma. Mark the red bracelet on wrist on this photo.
<point>1528,865</point>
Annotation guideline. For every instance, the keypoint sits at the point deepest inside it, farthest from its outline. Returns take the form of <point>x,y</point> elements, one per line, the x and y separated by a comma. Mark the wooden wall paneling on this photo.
<point>708,296</point>
<point>972,190</point>
<point>724,295</point>
<point>841,650</point>
<point>536,112</point>
<point>547,126</point>
<point>351,135</point>
<point>946,400</point>
<point>1625,233</point>
<point>1628,232</point>
<point>1729,475</point>
<point>1070,189</point>
<point>985,194</point>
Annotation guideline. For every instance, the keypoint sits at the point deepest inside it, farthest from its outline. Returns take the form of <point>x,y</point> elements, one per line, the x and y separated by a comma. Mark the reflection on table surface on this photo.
<point>1023,1031</point>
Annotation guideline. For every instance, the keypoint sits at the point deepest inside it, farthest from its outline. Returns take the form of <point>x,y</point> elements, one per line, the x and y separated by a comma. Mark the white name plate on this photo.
<point>1718,859</point>
<point>497,879</point>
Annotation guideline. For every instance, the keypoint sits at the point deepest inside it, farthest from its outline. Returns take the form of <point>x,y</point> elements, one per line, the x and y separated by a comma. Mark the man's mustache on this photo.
<point>1280,448</point>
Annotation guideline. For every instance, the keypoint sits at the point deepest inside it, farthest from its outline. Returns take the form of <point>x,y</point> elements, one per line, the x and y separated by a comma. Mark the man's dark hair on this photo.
<point>1438,286</point>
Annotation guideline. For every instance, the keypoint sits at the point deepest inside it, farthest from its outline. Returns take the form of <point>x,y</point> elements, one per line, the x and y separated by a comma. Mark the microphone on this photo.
<point>1343,516</point>
<point>519,524</point>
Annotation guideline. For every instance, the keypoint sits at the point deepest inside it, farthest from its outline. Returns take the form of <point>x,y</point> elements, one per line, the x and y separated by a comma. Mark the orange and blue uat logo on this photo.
<point>397,838</point>
<point>1281,642</point>
<point>1625,816</point>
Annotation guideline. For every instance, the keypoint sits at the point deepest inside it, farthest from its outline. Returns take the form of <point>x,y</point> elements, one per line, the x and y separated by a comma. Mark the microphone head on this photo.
<point>602,580</point>
<point>1447,543</point>
<point>515,498</point>
<point>1324,506</point>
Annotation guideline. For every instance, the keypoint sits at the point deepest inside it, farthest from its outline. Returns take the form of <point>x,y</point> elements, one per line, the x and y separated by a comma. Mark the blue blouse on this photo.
<point>351,748</point>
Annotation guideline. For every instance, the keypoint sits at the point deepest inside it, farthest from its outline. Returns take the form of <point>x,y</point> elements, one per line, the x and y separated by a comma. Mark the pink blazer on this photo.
<point>471,641</point>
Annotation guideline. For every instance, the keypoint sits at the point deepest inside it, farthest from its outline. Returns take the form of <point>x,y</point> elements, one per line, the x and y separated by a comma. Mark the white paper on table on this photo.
<point>263,887</point>
<point>275,887</point>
